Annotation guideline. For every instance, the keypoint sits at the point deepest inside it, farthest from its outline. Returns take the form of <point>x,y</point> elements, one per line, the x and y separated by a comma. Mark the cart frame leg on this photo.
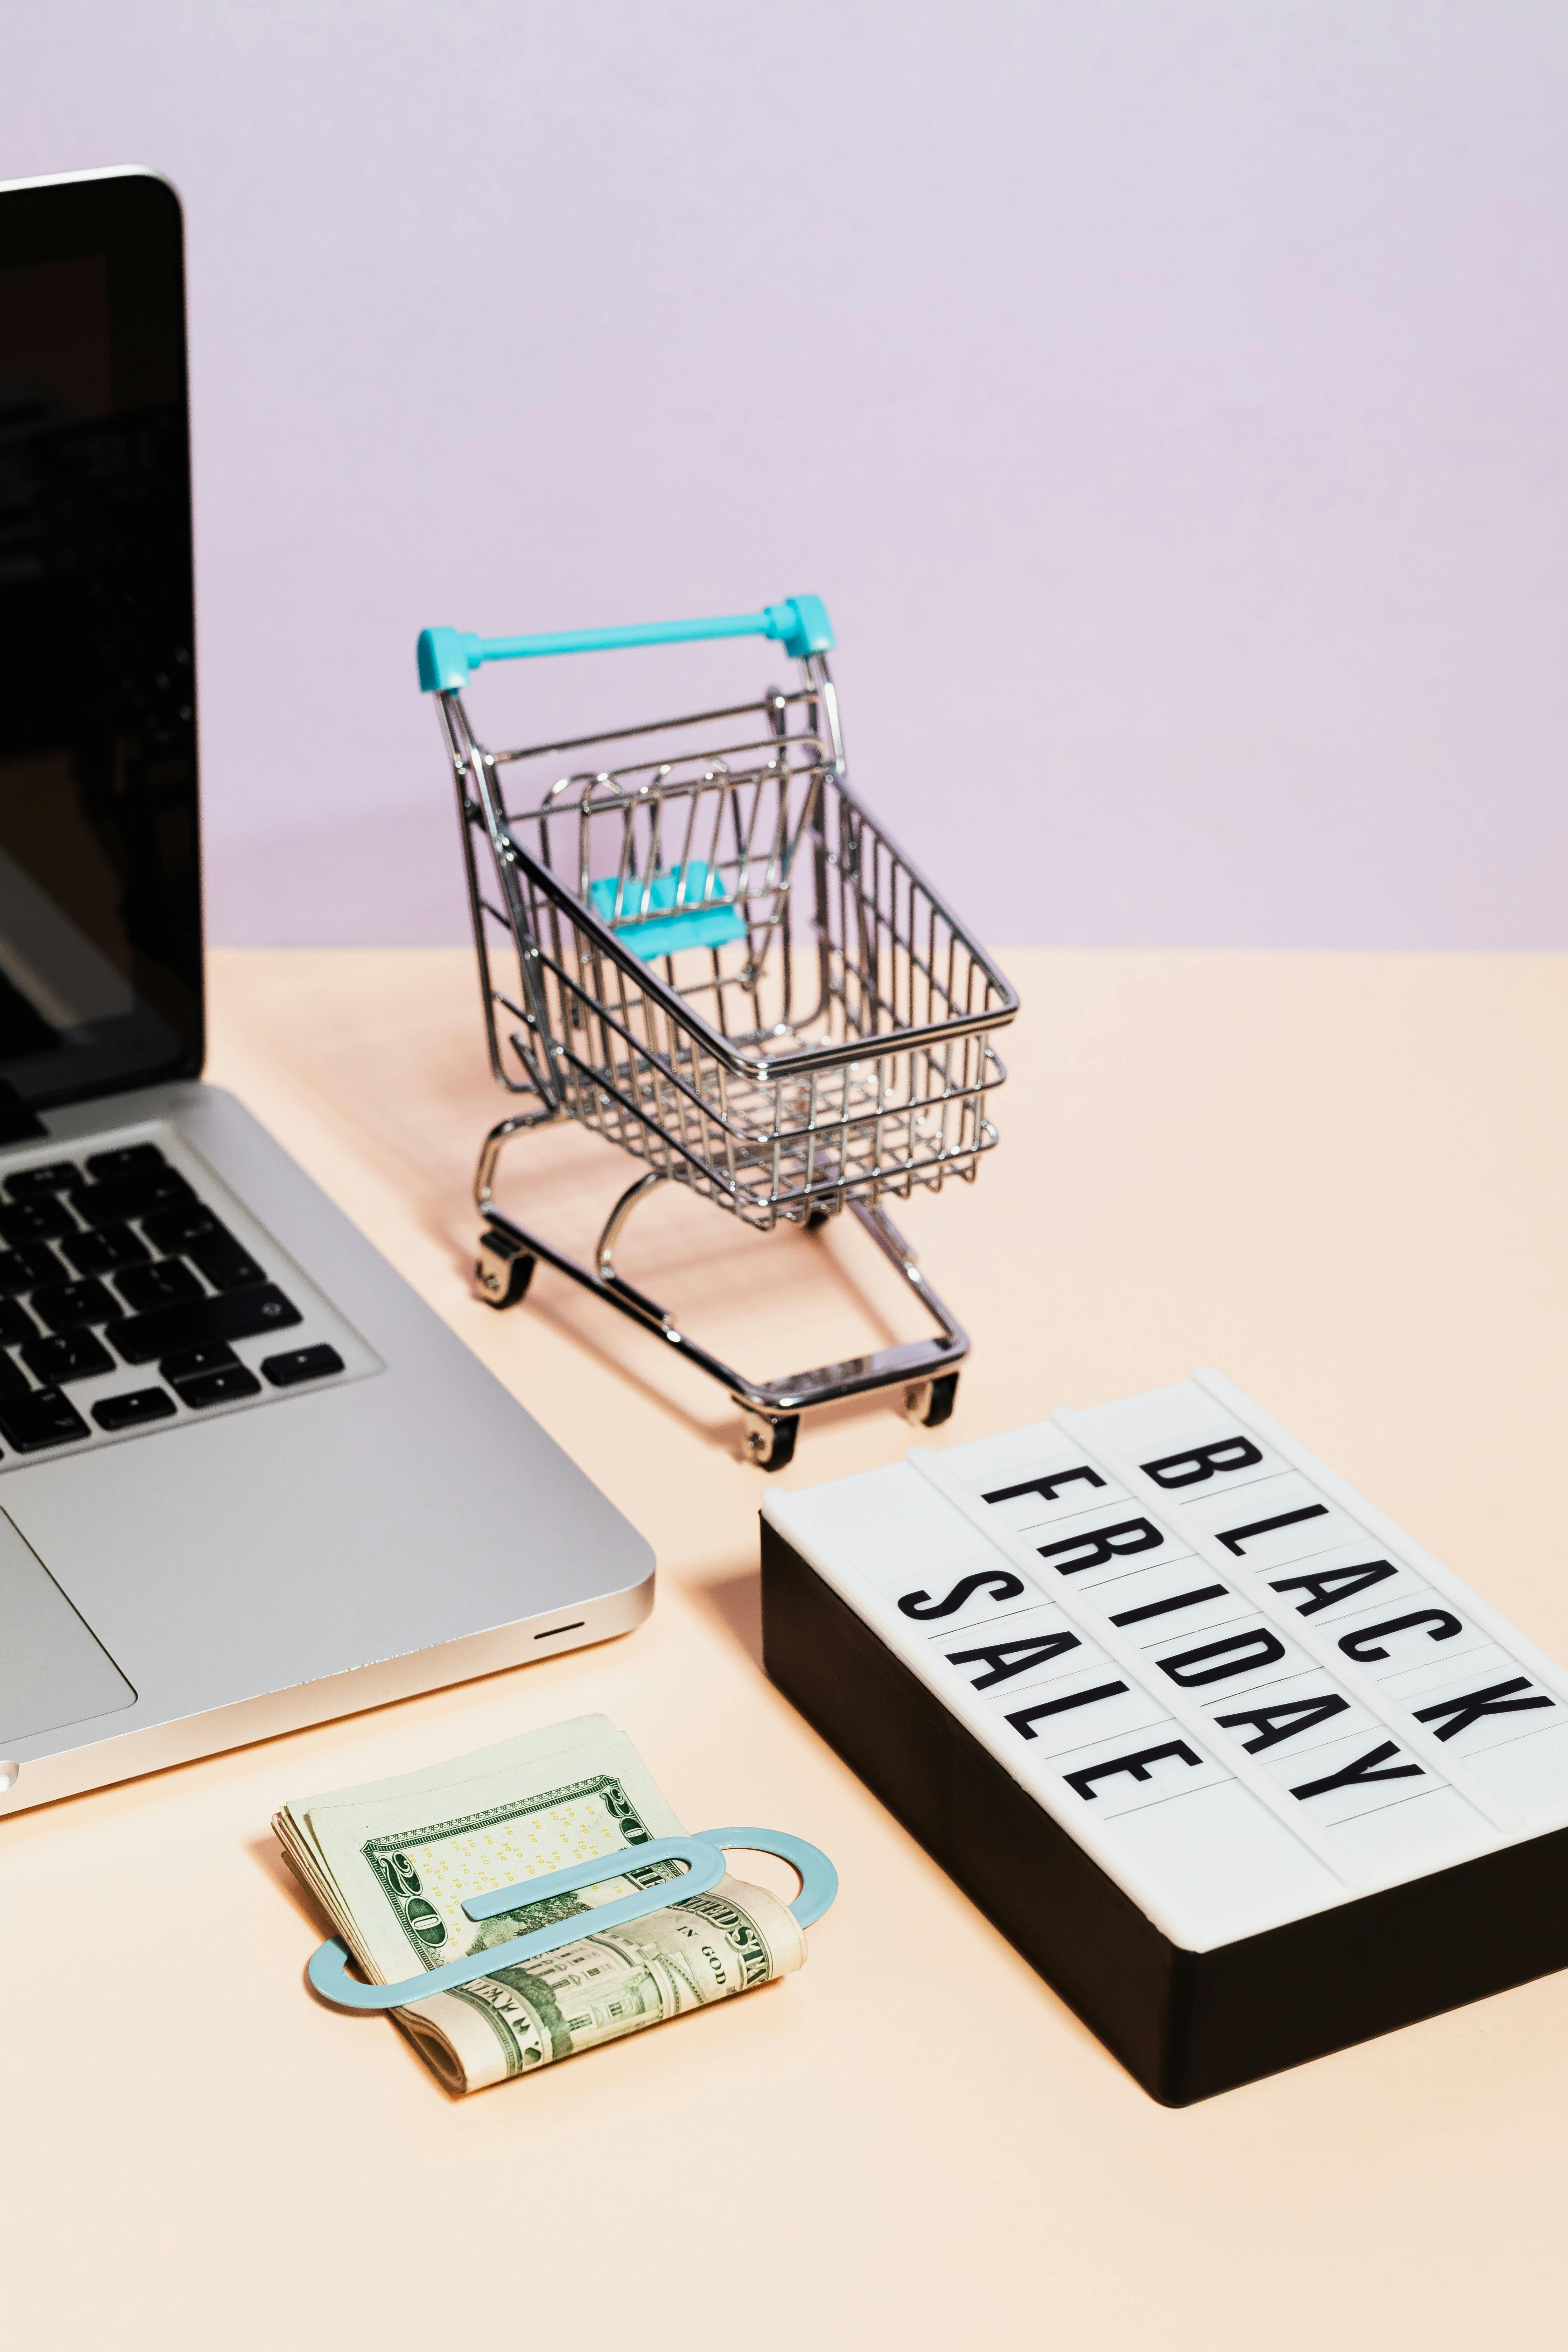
<point>925,1369</point>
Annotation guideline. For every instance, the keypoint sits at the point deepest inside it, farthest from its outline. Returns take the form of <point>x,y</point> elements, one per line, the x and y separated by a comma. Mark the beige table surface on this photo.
<point>1341,1179</point>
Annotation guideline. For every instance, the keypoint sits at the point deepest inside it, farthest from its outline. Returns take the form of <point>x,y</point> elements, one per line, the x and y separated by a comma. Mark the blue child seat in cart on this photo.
<point>696,941</point>
<point>705,920</point>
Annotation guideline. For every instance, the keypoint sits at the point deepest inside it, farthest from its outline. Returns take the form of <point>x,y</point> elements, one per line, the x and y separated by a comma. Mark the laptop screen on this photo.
<point>100,877</point>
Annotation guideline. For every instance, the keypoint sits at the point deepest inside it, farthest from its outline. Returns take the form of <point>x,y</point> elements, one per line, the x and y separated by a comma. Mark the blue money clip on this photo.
<point>703,1855</point>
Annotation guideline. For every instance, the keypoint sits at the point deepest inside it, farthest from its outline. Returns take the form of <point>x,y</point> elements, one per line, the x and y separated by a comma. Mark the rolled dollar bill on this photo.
<point>391,1864</point>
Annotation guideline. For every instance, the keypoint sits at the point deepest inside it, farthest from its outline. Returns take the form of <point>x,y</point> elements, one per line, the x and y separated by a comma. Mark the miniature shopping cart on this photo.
<point>698,942</point>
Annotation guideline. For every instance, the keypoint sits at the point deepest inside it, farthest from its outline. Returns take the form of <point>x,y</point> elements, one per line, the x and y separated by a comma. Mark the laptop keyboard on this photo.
<point>128,1301</point>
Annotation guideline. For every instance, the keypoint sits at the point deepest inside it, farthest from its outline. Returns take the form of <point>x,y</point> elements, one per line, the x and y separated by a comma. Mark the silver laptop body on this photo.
<point>248,1478</point>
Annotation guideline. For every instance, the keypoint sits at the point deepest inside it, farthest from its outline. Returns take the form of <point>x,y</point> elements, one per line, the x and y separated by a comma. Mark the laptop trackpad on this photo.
<point>52,1668</point>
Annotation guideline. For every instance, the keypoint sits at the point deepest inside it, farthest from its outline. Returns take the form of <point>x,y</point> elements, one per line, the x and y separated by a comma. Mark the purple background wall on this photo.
<point>1169,398</point>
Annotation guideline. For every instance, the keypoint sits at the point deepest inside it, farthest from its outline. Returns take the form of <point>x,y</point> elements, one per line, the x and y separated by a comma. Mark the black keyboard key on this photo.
<point>43,1417</point>
<point>128,1160</point>
<point>35,1221</point>
<point>106,1250</point>
<point>138,1195</point>
<point>301,1364</point>
<point>59,1176</point>
<point>219,1388</point>
<point>69,1306</point>
<point>186,1221</point>
<point>130,1411</point>
<point>194,1232</point>
<point>69,1356</point>
<point>163,1285</point>
<point>191,1362</point>
<point>13,1379</point>
<point>227,1263</point>
<point>25,1268</point>
<point>233,1314</point>
<point>15,1324</point>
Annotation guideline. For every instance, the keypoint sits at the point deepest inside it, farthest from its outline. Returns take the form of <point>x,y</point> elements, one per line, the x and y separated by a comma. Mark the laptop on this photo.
<point>248,1479</point>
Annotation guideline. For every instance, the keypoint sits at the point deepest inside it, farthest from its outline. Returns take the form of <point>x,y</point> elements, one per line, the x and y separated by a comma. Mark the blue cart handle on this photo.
<point>703,1857</point>
<point>448,657</point>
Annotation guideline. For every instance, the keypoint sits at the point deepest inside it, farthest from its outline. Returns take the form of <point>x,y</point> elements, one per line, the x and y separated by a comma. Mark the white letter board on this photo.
<point>1237,1687</point>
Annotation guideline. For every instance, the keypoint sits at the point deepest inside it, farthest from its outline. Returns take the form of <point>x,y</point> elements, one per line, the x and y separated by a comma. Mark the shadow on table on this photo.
<point>735,1602</point>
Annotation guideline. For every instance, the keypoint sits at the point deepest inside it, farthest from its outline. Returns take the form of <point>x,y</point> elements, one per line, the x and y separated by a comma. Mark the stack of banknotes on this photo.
<point>391,1865</point>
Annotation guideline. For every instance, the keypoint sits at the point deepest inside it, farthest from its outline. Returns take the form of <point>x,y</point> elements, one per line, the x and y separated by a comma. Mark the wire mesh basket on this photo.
<point>696,941</point>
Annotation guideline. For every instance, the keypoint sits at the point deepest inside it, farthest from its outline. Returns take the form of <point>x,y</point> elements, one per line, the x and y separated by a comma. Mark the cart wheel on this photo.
<point>931,1403</point>
<point>503,1269</point>
<point>815,1218</point>
<point>769,1438</point>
